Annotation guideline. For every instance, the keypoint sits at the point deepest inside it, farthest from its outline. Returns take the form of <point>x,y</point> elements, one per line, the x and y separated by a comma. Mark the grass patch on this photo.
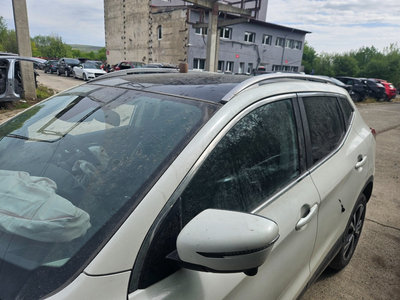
<point>43,92</point>
<point>369,100</point>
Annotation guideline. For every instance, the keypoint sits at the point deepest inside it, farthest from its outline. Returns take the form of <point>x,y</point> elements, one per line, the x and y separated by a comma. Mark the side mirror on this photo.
<point>226,242</point>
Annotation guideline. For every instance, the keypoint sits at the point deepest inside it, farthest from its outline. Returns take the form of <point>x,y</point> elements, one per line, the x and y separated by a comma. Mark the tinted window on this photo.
<point>325,124</point>
<point>258,156</point>
<point>72,168</point>
<point>347,110</point>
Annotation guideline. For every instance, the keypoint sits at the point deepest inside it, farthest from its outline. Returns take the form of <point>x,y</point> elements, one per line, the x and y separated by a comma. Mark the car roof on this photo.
<point>209,86</point>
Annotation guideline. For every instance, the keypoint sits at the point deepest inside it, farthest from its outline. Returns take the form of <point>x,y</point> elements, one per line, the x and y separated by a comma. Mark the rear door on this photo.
<point>335,148</point>
<point>255,165</point>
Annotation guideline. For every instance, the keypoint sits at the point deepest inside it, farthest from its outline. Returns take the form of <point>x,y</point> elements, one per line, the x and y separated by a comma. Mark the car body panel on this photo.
<point>9,81</point>
<point>89,72</point>
<point>294,257</point>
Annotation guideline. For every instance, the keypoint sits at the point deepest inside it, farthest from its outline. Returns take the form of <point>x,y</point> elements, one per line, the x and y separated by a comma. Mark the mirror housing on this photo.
<point>226,242</point>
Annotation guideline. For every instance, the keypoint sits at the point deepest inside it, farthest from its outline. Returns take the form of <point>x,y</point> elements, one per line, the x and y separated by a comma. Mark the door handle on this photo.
<point>306,219</point>
<point>361,161</point>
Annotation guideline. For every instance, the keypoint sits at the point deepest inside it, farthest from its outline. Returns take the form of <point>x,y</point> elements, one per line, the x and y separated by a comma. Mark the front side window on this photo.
<point>72,168</point>
<point>325,125</point>
<point>256,158</point>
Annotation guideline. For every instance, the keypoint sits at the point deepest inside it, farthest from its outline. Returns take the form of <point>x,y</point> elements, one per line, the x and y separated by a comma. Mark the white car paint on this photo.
<point>293,258</point>
<point>87,73</point>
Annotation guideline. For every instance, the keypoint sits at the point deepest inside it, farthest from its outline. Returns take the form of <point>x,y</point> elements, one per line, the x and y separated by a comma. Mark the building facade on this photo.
<point>157,31</point>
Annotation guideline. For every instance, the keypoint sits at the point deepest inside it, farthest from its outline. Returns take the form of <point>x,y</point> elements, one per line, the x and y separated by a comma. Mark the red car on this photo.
<point>390,90</point>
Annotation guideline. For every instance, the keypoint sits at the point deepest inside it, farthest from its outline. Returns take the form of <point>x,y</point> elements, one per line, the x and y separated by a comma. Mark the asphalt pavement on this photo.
<point>374,271</point>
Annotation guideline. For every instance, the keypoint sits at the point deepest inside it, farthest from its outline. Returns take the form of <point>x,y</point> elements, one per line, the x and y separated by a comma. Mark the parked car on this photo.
<point>148,186</point>
<point>11,87</point>
<point>66,65</point>
<point>375,89</point>
<point>123,65</point>
<point>360,91</point>
<point>50,66</point>
<point>88,70</point>
<point>390,90</point>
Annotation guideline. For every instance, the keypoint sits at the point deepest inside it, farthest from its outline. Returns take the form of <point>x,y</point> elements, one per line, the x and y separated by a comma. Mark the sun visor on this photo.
<point>30,207</point>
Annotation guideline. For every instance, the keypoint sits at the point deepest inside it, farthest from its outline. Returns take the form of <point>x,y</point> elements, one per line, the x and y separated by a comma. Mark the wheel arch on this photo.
<point>367,190</point>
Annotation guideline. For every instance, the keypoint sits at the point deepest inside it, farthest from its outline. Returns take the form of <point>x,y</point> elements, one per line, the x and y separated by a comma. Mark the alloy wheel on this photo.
<point>354,231</point>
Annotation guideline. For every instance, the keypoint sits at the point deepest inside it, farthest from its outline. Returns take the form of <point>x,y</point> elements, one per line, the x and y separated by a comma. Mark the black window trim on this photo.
<point>311,167</point>
<point>140,258</point>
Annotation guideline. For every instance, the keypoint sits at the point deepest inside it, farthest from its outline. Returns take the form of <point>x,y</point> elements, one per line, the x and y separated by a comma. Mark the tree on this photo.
<point>8,38</point>
<point>345,65</point>
<point>309,55</point>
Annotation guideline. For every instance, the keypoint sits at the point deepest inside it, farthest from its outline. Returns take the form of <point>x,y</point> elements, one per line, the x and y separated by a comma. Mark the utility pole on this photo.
<point>24,47</point>
<point>214,7</point>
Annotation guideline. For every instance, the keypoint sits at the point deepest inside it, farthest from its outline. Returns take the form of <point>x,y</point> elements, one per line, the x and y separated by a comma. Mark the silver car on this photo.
<point>182,186</point>
<point>10,76</point>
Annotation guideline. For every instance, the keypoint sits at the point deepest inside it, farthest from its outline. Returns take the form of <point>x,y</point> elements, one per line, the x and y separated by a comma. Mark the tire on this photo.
<point>351,235</point>
<point>84,77</point>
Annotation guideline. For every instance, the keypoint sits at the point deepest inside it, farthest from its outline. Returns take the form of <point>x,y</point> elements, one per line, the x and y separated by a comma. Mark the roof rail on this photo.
<point>135,71</point>
<point>265,77</point>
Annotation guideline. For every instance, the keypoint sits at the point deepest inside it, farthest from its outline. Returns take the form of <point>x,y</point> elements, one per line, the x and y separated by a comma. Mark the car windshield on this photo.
<point>71,61</point>
<point>90,65</point>
<point>72,168</point>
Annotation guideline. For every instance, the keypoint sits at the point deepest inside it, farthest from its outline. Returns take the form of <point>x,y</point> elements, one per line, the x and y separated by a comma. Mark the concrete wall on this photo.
<point>172,47</point>
<point>127,30</point>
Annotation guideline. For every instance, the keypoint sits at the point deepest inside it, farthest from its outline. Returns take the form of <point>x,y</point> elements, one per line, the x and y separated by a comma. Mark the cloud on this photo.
<point>336,25</point>
<point>76,21</point>
<point>340,25</point>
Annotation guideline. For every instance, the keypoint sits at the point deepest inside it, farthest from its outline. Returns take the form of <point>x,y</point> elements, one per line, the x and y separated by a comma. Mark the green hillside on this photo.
<point>85,48</point>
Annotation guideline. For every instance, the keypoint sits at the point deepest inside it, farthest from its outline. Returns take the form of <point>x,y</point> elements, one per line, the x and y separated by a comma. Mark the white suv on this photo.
<point>182,186</point>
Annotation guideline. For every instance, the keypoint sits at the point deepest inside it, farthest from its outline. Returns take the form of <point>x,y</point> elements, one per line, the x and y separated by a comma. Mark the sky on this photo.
<point>337,26</point>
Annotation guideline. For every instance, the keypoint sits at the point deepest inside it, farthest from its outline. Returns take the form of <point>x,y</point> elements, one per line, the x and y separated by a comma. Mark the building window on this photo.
<point>159,32</point>
<point>294,69</point>
<point>267,39</point>
<point>297,45</point>
<point>286,68</point>
<point>201,30</point>
<point>249,37</point>
<point>280,42</point>
<point>276,68</point>
<point>250,68</point>
<point>225,33</point>
<point>220,66</point>
<point>290,44</point>
<point>229,67</point>
<point>241,68</point>
<point>199,63</point>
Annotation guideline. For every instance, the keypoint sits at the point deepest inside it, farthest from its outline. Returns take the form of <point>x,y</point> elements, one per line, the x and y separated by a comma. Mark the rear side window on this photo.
<point>325,125</point>
<point>347,111</point>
